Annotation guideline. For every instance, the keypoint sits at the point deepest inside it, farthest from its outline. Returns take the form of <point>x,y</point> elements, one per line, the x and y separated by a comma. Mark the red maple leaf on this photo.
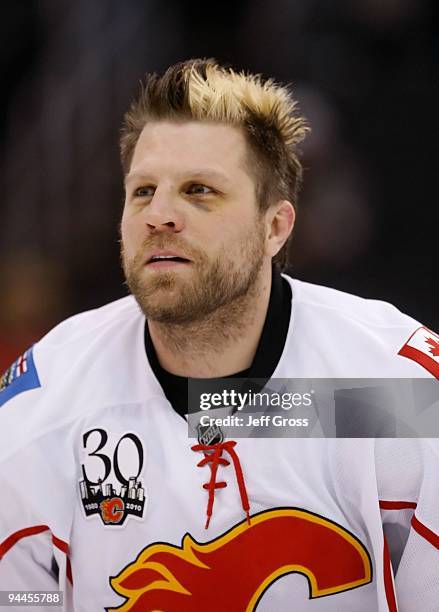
<point>434,350</point>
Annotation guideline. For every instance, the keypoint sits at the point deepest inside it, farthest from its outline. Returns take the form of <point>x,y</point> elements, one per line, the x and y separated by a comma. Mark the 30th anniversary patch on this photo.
<point>112,484</point>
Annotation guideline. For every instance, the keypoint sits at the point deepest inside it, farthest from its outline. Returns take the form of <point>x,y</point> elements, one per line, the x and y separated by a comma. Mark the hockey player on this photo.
<point>105,497</point>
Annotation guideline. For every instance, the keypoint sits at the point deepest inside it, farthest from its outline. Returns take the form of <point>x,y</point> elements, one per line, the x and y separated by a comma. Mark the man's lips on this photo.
<point>167,263</point>
<point>165,259</point>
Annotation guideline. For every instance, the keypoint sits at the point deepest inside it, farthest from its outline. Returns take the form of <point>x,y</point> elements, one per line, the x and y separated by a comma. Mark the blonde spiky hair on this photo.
<point>229,97</point>
<point>203,90</point>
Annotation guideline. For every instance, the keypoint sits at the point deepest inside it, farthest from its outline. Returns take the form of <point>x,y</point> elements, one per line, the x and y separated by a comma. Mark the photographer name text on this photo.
<point>250,420</point>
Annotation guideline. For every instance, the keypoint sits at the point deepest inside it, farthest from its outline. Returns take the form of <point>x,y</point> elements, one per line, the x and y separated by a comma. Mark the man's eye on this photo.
<point>198,189</point>
<point>143,192</point>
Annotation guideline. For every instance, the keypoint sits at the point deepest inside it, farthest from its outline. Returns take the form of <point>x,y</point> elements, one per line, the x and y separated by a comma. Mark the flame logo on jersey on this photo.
<point>112,510</point>
<point>248,559</point>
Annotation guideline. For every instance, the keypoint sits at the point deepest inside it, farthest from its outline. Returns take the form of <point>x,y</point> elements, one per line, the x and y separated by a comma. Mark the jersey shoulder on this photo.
<point>90,322</point>
<point>352,308</point>
<point>81,365</point>
<point>364,337</point>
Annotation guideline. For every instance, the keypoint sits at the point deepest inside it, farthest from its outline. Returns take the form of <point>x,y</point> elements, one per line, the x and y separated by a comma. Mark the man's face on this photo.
<point>189,194</point>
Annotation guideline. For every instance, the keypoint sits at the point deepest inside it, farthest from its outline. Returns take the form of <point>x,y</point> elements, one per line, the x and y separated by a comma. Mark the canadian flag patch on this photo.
<point>423,347</point>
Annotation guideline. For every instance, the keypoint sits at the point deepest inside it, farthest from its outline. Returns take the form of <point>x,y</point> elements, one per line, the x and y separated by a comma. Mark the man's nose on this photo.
<point>162,213</point>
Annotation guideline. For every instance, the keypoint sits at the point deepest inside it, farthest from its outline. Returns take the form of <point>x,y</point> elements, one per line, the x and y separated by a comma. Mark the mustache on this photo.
<point>165,243</point>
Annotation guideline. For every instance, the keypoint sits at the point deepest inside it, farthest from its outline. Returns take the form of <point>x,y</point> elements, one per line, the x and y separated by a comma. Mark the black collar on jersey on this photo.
<point>267,355</point>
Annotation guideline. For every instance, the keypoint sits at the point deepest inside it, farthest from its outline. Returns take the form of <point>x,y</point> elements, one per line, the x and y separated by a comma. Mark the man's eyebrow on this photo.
<point>209,173</point>
<point>134,176</point>
<point>199,173</point>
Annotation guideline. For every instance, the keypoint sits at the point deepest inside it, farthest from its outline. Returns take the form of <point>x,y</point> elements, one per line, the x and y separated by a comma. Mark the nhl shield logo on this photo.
<point>209,434</point>
<point>106,489</point>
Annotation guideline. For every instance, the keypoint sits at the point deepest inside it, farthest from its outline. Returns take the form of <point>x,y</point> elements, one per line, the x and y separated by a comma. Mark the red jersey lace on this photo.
<point>213,456</point>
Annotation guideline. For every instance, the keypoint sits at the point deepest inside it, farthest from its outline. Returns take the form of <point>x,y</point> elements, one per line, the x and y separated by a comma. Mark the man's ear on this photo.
<point>280,220</point>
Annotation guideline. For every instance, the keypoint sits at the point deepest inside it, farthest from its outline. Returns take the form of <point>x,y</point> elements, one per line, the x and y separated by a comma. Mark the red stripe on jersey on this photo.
<point>63,546</point>
<point>69,572</point>
<point>388,579</point>
<point>425,532</point>
<point>18,535</point>
<point>397,505</point>
<point>35,530</point>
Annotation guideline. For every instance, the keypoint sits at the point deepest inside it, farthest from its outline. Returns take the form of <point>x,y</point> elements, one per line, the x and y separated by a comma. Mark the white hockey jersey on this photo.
<point>98,473</point>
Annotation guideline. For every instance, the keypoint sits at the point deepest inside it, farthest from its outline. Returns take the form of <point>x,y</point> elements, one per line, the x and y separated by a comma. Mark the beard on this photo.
<point>179,298</point>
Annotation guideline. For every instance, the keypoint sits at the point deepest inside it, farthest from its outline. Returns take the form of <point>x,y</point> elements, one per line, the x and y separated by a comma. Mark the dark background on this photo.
<point>365,72</point>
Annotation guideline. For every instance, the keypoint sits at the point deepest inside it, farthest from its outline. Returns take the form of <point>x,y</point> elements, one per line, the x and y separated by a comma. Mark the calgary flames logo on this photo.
<point>112,510</point>
<point>247,558</point>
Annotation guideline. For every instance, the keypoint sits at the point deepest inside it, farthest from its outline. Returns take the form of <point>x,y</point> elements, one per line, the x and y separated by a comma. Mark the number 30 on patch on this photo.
<point>106,488</point>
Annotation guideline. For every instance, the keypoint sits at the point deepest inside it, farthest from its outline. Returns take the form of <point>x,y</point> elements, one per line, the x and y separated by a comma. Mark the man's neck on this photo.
<point>222,343</point>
